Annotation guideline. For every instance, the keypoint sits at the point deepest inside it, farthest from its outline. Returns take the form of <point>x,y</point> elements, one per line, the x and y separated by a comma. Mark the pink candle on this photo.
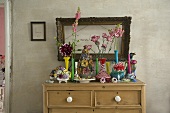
<point>129,67</point>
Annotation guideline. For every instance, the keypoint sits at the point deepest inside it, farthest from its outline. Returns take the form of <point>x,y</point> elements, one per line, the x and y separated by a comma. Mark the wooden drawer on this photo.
<point>107,98</point>
<point>117,111</point>
<point>59,99</point>
<point>71,110</point>
<point>79,110</point>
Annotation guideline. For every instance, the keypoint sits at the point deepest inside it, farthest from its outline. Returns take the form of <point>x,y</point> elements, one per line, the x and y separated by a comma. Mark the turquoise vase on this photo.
<point>116,56</point>
<point>119,75</point>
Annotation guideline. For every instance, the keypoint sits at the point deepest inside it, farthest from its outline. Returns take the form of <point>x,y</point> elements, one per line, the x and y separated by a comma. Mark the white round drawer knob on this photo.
<point>117,99</point>
<point>69,99</point>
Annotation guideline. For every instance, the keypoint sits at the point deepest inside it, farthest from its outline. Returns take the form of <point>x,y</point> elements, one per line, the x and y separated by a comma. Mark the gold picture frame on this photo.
<point>62,23</point>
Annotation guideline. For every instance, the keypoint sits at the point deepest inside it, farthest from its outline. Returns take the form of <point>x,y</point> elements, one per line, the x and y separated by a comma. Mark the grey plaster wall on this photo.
<point>33,60</point>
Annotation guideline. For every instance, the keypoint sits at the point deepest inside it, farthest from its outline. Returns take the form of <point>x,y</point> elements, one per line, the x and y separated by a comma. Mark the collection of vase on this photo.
<point>100,69</point>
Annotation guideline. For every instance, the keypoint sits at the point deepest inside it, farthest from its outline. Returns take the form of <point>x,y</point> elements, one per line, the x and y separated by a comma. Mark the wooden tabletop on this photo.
<point>93,83</point>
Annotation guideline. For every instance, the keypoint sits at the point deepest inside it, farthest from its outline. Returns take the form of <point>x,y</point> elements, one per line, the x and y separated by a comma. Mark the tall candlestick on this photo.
<point>129,66</point>
<point>116,56</point>
<point>97,66</point>
<point>72,69</point>
<point>76,63</point>
<point>108,67</point>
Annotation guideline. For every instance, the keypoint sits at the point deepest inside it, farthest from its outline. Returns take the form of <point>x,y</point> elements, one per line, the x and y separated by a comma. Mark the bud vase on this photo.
<point>116,56</point>
<point>66,59</point>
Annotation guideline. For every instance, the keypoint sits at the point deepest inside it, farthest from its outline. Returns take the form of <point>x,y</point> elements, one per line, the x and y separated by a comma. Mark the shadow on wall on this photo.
<point>2,31</point>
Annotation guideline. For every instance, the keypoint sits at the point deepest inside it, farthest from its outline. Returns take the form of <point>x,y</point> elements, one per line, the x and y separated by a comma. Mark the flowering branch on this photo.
<point>116,32</point>
<point>113,33</point>
<point>70,51</point>
<point>74,25</point>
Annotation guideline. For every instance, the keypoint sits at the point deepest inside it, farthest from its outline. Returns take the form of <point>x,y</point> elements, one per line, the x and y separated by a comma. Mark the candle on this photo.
<point>129,67</point>
<point>108,67</point>
<point>97,66</point>
<point>72,69</point>
<point>116,56</point>
<point>76,63</point>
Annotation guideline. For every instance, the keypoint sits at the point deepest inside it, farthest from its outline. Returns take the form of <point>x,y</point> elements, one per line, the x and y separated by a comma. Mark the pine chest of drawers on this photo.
<point>94,97</point>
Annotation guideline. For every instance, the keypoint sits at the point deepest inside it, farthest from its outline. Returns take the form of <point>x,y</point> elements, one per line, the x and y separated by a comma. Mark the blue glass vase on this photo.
<point>119,75</point>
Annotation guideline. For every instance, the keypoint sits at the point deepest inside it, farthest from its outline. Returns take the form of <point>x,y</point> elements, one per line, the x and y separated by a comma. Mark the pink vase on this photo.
<point>102,73</point>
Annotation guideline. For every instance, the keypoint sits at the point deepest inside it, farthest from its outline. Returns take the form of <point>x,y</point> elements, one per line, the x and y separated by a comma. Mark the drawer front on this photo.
<point>61,98</point>
<point>117,111</point>
<point>71,110</point>
<point>79,110</point>
<point>107,98</point>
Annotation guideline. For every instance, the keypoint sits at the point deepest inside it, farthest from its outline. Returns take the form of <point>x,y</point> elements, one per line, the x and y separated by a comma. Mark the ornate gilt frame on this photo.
<point>125,22</point>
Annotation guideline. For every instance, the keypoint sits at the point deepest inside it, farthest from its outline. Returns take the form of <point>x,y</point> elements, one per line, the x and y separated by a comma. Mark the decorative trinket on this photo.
<point>85,68</point>
<point>61,74</point>
<point>114,80</point>
<point>102,80</point>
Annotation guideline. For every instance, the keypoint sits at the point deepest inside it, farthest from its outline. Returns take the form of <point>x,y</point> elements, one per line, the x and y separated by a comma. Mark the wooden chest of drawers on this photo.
<point>94,97</point>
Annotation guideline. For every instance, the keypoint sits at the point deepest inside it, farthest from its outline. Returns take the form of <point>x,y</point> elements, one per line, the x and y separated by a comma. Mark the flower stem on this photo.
<point>92,50</point>
<point>111,44</point>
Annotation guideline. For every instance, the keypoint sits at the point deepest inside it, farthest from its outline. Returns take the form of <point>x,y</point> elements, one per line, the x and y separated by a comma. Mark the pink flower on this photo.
<point>97,43</point>
<point>74,27</point>
<point>95,38</point>
<point>88,47</point>
<point>104,35</point>
<point>104,46</point>
<point>109,38</point>
<point>121,32</point>
<point>111,32</point>
<point>78,14</point>
<point>117,32</point>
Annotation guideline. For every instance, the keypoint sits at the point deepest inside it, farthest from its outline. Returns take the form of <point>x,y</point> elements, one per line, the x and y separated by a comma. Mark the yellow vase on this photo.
<point>66,62</point>
<point>108,67</point>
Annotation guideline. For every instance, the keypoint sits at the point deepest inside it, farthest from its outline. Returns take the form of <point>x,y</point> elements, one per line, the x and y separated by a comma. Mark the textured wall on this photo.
<point>33,61</point>
<point>2,32</point>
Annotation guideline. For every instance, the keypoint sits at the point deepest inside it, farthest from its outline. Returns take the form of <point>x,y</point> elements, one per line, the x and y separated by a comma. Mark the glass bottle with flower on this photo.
<point>67,50</point>
<point>74,28</point>
<point>107,39</point>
